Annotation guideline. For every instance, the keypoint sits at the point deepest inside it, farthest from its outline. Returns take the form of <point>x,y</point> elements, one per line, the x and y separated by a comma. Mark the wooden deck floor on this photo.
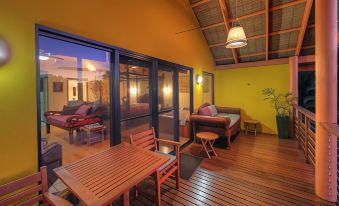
<point>260,170</point>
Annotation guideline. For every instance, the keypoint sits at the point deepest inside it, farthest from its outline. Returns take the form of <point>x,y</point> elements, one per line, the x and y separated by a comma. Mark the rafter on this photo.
<point>254,13</point>
<point>200,3</point>
<point>304,22</point>
<point>261,36</point>
<point>258,54</point>
<point>224,12</point>
<point>253,64</point>
<point>267,26</point>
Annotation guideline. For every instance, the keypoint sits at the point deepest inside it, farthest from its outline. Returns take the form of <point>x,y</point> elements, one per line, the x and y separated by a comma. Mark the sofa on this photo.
<point>224,121</point>
<point>73,116</point>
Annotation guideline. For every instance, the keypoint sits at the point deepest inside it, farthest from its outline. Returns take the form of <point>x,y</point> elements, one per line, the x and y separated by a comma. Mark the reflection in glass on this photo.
<point>74,92</point>
<point>184,105</point>
<point>165,89</point>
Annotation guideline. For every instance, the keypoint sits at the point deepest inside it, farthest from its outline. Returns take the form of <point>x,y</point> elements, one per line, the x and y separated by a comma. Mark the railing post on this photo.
<point>307,124</point>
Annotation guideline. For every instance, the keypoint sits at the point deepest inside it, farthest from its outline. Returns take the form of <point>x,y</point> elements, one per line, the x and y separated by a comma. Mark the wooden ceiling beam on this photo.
<point>253,64</point>
<point>304,22</point>
<point>200,3</point>
<point>261,36</point>
<point>224,12</point>
<point>267,27</point>
<point>254,13</point>
<point>292,3</point>
<point>258,54</point>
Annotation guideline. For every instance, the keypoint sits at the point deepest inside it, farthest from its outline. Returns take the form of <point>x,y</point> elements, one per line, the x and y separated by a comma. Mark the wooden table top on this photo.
<point>207,135</point>
<point>103,177</point>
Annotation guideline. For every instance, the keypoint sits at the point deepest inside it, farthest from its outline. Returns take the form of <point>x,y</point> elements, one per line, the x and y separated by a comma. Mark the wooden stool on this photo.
<point>249,123</point>
<point>207,140</point>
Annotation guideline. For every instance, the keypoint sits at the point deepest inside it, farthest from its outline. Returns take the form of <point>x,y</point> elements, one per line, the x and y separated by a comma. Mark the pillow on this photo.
<point>69,110</point>
<point>82,110</point>
<point>205,111</point>
<point>214,111</point>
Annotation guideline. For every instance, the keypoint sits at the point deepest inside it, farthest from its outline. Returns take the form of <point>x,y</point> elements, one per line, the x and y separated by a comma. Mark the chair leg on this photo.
<point>70,136</point>
<point>178,177</point>
<point>157,188</point>
<point>229,137</point>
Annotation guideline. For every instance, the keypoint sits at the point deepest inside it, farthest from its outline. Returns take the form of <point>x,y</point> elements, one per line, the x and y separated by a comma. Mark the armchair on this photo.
<point>148,141</point>
<point>225,123</point>
<point>30,190</point>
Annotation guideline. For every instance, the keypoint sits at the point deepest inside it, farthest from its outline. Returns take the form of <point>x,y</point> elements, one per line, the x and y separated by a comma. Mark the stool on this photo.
<point>207,140</point>
<point>251,123</point>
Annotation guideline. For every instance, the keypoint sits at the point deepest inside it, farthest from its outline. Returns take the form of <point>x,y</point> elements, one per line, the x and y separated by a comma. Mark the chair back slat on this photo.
<point>25,191</point>
<point>145,140</point>
<point>19,184</point>
<point>32,201</point>
<point>21,195</point>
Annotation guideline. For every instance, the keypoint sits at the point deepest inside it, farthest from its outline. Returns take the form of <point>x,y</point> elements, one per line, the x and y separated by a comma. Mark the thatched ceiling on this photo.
<point>282,29</point>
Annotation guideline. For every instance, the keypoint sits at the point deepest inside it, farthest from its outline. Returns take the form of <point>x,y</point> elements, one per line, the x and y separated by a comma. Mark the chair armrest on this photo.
<point>228,110</point>
<point>49,113</point>
<point>55,200</point>
<point>212,121</point>
<point>168,142</point>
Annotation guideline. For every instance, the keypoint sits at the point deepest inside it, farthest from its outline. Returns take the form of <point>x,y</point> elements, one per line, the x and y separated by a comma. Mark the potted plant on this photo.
<point>281,103</point>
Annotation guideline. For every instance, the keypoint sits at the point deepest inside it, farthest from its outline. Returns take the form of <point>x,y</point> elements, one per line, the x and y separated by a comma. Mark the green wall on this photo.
<point>242,88</point>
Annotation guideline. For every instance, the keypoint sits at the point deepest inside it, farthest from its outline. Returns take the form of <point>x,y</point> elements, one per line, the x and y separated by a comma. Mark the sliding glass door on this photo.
<point>135,96</point>
<point>185,105</point>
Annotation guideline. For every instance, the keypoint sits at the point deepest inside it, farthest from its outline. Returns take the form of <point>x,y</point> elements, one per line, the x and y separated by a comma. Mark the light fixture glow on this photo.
<point>91,68</point>
<point>133,90</point>
<point>43,58</point>
<point>5,52</point>
<point>166,89</point>
<point>199,79</point>
<point>236,37</point>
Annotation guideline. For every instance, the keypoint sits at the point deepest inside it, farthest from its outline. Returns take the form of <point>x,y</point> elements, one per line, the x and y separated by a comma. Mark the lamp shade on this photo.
<point>236,37</point>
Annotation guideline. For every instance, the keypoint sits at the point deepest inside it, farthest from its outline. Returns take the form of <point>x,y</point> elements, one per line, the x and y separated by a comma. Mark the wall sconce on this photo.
<point>5,51</point>
<point>133,90</point>
<point>199,79</point>
<point>166,89</point>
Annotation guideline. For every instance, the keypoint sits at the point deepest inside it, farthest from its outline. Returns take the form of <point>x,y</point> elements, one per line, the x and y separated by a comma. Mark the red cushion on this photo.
<point>82,110</point>
<point>205,111</point>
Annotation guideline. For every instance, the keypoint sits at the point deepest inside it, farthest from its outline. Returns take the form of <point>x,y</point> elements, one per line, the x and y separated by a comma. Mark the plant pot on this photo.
<point>283,123</point>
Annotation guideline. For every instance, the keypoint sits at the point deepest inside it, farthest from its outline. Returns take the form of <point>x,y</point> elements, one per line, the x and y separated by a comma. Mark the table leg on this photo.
<point>157,188</point>
<point>211,145</point>
<point>206,150</point>
<point>102,135</point>
<point>126,198</point>
<point>88,138</point>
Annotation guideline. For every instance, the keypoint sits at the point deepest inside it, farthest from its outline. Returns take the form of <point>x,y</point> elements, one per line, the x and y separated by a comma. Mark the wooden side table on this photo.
<point>88,131</point>
<point>207,140</point>
<point>251,126</point>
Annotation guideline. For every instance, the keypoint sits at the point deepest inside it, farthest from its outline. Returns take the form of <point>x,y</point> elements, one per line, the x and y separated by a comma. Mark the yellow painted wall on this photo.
<point>145,26</point>
<point>242,88</point>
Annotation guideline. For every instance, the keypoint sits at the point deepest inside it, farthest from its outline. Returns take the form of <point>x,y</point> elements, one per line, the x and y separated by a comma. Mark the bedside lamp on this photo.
<point>199,79</point>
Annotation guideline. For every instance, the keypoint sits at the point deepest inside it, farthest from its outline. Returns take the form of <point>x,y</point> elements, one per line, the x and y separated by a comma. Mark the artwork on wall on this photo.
<point>57,86</point>
<point>184,82</point>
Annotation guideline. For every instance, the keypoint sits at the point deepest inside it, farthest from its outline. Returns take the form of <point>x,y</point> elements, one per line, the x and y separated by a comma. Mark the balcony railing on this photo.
<point>304,131</point>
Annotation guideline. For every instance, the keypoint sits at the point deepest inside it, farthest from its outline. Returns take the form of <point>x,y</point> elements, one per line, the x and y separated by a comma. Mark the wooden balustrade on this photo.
<point>304,130</point>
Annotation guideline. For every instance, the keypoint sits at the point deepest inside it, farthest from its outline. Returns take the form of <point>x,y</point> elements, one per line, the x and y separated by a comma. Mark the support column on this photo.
<point>293,70</point>
<point>326,98</point>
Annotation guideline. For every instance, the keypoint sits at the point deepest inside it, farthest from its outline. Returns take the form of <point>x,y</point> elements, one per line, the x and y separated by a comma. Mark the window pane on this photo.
<point>165,89</point>
<point>184,105</point>
<point>134,126</point>
<point>166,125</point>
<point>135,97</point>
<point>74,82</point>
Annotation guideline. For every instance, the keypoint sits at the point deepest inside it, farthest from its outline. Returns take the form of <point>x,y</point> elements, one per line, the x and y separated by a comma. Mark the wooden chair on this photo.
<point>30,190</point>
<point>148,141</point>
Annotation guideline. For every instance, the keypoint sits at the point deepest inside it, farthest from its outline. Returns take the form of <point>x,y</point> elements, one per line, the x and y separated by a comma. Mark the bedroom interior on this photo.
<point>153,102</point>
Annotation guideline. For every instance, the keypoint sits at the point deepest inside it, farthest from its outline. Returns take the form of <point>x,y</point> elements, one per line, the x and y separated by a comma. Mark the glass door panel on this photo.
<point>184,80</point>
<point>135,98</point>
<point>166,105</point>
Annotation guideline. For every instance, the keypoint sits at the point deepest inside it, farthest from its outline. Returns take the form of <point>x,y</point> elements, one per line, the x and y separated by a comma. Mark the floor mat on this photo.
<point>188,165</point>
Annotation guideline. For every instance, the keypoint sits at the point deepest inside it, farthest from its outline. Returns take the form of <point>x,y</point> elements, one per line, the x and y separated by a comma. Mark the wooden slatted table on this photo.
<point>104,177</point>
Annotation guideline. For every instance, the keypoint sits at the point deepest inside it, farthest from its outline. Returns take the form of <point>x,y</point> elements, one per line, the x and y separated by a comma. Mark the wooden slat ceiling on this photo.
<point>274,28</point>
